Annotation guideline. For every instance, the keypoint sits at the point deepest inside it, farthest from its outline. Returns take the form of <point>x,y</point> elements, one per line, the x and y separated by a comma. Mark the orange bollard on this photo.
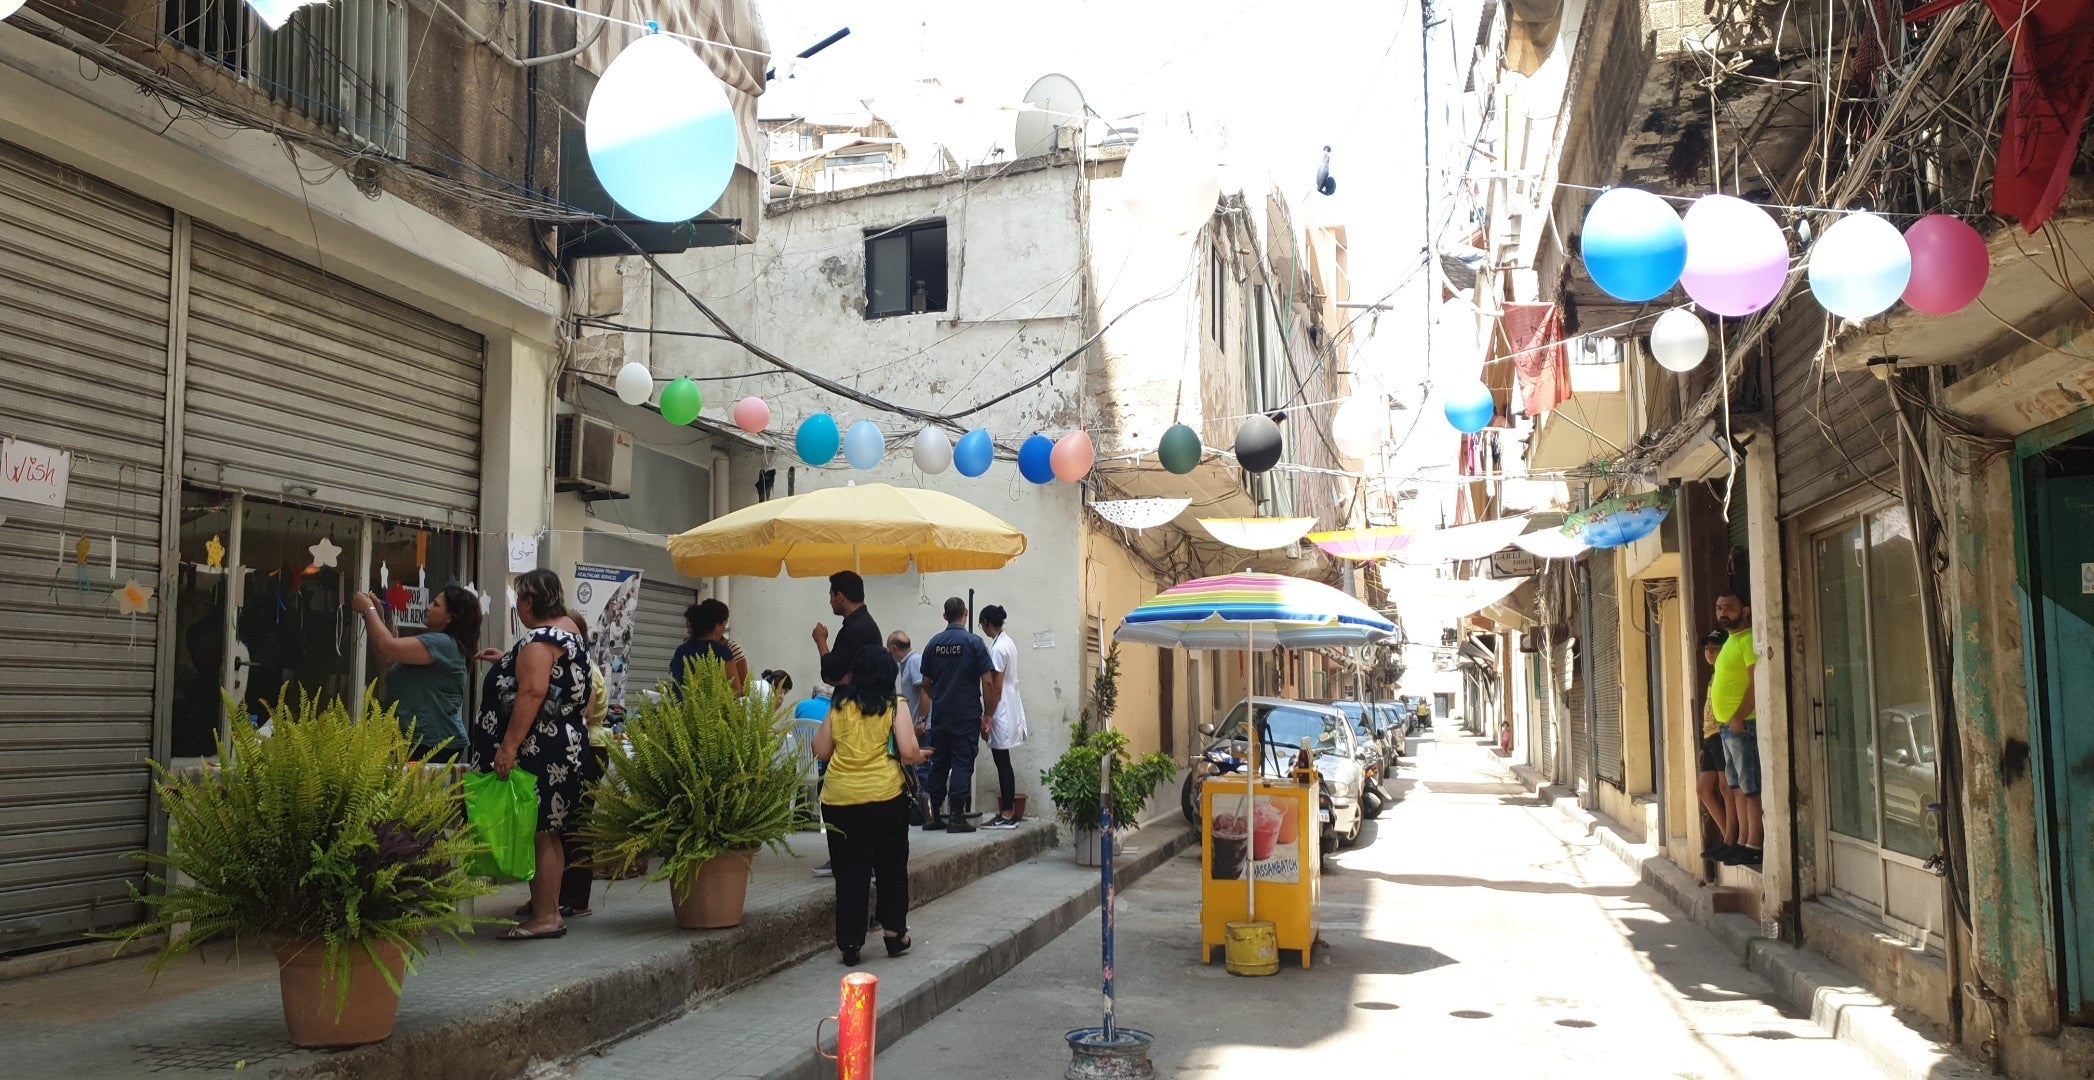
<point>856,1018</point>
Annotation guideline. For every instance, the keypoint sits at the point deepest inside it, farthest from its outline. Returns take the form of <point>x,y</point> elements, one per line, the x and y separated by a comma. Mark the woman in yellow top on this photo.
<point>863,804</point>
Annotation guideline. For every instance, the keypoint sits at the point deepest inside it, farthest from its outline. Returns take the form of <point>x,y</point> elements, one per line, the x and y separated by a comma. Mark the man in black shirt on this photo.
<point>959,694</point>
<point>846,598</point>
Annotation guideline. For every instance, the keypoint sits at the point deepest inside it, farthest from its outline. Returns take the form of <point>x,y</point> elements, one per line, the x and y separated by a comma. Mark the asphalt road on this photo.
<point>1470,934</point>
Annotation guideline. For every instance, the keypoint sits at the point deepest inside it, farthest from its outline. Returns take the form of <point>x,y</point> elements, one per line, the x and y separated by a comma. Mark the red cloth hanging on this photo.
<point>2051,86</point>
<point>1533,336</point>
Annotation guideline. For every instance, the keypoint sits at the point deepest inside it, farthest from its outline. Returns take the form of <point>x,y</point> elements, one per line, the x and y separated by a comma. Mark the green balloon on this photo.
<point>1180,450</point>
<point>681,402</point>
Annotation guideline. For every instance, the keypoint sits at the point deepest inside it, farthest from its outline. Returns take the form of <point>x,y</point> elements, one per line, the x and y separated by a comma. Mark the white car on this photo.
<point>1283,724</point>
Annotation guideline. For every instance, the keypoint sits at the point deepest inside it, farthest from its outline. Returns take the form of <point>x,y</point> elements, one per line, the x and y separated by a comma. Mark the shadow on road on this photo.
<point>1455,881</point>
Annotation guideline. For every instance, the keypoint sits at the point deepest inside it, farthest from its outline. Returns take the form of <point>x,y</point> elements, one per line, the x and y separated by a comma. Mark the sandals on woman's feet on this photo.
<point>518,933</point>
<point>897,944</point>
<point>523,913</point>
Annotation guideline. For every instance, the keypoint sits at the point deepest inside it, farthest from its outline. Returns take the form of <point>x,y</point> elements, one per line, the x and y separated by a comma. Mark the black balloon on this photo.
<point>1258,444</point>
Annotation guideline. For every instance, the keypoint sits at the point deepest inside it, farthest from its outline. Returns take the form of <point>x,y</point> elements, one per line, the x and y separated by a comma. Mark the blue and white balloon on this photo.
<point>1860,266</point>
<point>1634,244</point>
<point>660,134</point>
<point>863,445</point>
<point>1469,406</point>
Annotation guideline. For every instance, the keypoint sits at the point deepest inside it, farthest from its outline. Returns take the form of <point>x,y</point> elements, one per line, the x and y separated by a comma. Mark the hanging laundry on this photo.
<point>1533,338</point>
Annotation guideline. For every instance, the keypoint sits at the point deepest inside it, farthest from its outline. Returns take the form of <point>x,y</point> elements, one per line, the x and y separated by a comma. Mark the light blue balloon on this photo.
<point>863,445</point>
<point>1036,459</point>
<point>660,134</point>
<point>1469,407</point>
<point>974,453</point>
<point>1634,244</point>
<point>817,439</point>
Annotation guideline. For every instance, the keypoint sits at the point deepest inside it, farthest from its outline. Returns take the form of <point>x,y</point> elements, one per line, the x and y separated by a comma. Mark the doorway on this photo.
<point>2057,500</point>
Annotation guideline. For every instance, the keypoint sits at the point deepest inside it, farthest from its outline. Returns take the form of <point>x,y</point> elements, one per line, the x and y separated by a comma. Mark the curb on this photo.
<point>1835,998</point>
<point>921,1004</point>
<point>607,1006</point>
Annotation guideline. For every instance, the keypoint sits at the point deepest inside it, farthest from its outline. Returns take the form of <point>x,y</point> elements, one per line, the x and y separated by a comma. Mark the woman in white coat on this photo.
<point>1007,729</point>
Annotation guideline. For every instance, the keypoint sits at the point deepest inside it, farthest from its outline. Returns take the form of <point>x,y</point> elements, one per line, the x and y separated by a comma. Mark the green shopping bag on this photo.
<point>505,814</point>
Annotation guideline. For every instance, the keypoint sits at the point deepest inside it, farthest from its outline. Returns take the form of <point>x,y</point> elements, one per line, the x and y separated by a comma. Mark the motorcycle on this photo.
<point>1219,760</point>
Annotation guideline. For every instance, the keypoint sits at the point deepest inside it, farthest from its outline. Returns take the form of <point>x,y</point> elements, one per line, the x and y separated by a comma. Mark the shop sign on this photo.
<point>34,474</point>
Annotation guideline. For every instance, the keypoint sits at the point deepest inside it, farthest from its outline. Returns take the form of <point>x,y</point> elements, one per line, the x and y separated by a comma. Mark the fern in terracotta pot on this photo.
<point>328,843</point>
<point>703,780</point>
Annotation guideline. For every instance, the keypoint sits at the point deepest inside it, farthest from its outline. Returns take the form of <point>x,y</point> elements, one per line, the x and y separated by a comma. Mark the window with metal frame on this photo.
<point>342,64</point>
<point>905,269</point>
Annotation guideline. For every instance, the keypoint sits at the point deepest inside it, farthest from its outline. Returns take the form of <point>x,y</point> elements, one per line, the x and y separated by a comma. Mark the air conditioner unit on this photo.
<point>592,457</point>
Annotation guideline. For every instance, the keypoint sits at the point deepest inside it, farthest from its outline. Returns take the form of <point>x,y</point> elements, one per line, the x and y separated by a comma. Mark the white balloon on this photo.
<point>1360,426</point>
<point>1171,181</point>
<point>660,134</point>
<point>9,7</point>
<point>1860,266</point>
<point>933,450</point>
<point>1679,341</point>
<point>635,382</point>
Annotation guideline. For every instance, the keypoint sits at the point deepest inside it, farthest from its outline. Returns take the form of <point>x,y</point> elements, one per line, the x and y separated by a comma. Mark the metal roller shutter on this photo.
<point>1575,715</point>
<point>1544,687</point>
<point>305,387</point>
<point>1606,668</point>
<point>658,629</point>
<point>85,290</point>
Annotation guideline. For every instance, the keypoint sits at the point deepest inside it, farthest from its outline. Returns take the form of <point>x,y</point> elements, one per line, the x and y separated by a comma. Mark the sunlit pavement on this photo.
<point>1469,935</point>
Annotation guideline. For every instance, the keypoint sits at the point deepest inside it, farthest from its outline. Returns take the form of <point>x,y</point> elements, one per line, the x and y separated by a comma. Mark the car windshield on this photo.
<point>1287,725</point>
<point>1387,712</point>
<point>1362,721</point>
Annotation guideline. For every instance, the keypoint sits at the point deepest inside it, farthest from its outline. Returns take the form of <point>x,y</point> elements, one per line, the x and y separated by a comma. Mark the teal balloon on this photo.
<point>1036,459</point>
<point>818,440</point>
<point>863,445</point>
<point>681,401</point>
<point>1180,449</point>
<point>974,453</point>
<point>1469,406</point>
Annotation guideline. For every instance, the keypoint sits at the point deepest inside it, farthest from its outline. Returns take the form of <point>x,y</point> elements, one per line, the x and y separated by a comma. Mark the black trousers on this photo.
<point>952,769</point>
<point>579,878</point>
<point>863,838</point>
<point>1006,781</point>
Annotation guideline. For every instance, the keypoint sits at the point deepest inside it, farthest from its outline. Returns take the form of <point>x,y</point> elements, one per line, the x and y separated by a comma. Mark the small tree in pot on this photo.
<point>328,842</point>
<point>1072,781</point>
<point>705,781</point>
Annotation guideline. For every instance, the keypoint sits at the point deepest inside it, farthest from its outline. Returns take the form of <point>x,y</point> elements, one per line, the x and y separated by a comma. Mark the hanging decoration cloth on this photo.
<point>1364,544</point>
<point>1141,513</point>
<point>1428,598</point>
<point>1463,542</point>
<point>1551,544</point>
<point>1258,534</point>
<point>870,528</point>
<point>1623,519</point>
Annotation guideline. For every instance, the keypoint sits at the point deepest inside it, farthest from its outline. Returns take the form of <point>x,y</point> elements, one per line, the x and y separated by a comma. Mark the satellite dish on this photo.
<point>1056,104</point>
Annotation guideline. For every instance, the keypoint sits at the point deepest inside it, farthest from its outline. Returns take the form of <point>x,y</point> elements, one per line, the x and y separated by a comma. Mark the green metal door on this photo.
<point>2061,556</point>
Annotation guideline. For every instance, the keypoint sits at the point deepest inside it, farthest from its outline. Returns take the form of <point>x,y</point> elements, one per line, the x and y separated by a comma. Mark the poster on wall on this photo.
<point>1267,841</point>
<point>609,597</point>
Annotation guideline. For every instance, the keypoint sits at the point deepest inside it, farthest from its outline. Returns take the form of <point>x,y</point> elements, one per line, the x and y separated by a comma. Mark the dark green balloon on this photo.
<point>1180,449</point>
<point>1258,444</point>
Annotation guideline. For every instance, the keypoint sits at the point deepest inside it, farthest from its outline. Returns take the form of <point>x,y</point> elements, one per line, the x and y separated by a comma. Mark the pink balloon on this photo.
<point>752,414</point>
<point>1949,264</point>
<point>1072,457</point>
<point>1737,257</point>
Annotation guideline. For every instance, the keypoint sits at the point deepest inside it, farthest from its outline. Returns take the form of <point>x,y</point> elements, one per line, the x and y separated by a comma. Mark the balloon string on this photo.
<point>652,27</point>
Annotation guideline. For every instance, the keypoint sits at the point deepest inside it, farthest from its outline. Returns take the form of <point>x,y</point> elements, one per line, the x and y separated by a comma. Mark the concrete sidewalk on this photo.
<point>1834,998</point>
<point>487,1012</point>
<point>963,942</point>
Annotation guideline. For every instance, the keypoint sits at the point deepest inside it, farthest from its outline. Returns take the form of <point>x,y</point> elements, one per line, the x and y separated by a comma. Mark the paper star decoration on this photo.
<point>133,598</point>
<point>214,554</point>
<point>325,552</point>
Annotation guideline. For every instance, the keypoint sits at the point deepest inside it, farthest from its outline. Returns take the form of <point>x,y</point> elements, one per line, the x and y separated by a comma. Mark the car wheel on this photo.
<point>1189,798</point>
<point>1371,805</point>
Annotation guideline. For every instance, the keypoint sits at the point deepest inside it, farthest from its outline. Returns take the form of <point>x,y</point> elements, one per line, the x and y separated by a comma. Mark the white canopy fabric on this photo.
<point>1551,544</point>
<point>1424,597</point>
<point>1258,534</point>
<point>1462,542</point>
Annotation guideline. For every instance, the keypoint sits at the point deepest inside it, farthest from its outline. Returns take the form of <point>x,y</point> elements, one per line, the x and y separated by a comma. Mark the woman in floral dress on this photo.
<point>533,717</point>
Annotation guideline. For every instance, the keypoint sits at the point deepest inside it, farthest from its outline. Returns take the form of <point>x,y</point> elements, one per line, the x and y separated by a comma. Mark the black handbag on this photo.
<point>912,788</point>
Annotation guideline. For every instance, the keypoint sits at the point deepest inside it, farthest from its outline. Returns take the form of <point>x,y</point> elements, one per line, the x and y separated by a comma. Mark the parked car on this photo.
<point>1910,784</point>
<point>1377,737</point>
<point>1283,724</point>
<point>1397,725</point>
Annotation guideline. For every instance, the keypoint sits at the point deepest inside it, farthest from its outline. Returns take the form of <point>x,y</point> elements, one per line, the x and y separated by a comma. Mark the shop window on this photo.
<point>905,270</point>
<point>343,65</point>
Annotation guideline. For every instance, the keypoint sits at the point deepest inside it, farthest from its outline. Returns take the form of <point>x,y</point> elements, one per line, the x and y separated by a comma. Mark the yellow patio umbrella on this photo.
<point>870,528</point>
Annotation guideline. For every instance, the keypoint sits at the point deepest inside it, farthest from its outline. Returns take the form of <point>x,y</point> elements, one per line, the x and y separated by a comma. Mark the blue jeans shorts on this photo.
<point>1741,758</point>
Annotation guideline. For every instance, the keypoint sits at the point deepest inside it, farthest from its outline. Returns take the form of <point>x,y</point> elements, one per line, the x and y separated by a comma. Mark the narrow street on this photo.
<point>1470,934</point>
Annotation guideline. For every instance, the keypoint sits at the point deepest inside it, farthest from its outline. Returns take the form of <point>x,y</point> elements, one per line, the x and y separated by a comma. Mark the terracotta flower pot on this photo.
<point>1018,807</point>
<point>309,995</point>
<point>716,892</point>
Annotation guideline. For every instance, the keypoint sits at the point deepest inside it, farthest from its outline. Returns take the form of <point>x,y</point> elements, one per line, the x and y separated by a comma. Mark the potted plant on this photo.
<point>326,841</point>
<point>1073,780</point>
<point>703,780</point>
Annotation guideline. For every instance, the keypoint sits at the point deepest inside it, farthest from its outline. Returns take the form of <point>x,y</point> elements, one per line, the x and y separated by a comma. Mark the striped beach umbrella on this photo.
<point>1250,611</point>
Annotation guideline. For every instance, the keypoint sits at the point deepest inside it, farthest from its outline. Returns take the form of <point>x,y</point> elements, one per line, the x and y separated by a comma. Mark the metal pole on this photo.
<point>855,1021</point>
<point>1105,884</point>
<point>1250,785</point>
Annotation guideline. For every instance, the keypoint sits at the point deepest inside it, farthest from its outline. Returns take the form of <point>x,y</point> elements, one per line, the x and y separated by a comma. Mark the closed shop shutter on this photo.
<point>84,298</point>
<point>1833,431</point>
<point>1577,717</point>
<point>658,628</point>
<point>304,387</point>
<point>1606,672</point>
<point>1544,692</point>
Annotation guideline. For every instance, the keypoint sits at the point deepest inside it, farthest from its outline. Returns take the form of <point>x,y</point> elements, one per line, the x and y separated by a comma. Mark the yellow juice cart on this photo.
<point>1260,859</point>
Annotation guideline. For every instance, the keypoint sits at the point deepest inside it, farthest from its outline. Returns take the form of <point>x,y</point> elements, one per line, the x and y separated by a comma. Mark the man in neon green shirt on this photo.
<point>1731,699</point>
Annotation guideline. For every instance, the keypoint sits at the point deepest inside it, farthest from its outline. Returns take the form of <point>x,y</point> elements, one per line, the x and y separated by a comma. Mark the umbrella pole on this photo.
<point>1250,784</point>
<point>1105,886</point>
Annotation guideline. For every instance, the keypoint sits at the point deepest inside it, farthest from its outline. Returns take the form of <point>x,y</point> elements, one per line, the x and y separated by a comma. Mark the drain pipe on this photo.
<point>719,469</point>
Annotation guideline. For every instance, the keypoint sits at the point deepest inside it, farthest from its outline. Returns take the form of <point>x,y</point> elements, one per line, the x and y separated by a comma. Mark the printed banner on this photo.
<point>609,597</point>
